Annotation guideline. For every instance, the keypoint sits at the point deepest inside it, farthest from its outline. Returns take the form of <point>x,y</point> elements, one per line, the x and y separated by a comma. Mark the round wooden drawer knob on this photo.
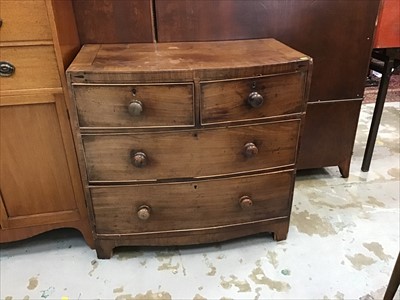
<point>143,212</point>
<point>139,159</point>
<point>135,108</point>
<point>245,202</point>
<point>255,99</point>
<point>250,150</point>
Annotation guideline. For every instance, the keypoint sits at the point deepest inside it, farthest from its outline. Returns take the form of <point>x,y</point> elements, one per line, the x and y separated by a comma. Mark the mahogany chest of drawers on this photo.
<point>186,143</point>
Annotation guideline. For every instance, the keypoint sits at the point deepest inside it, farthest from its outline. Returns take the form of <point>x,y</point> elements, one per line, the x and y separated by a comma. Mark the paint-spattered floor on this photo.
<point>342,244</point>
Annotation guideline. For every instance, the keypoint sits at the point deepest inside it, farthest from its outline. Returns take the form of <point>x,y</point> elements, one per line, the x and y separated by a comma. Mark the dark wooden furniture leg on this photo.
<point>344,168</point>
<point>104,248</point>
<point>394,281</point>
<point>281,232</point>
<point>386,72</point>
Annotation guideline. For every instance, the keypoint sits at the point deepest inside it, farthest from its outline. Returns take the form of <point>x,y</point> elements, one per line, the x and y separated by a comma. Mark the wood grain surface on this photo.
<point>107,105</point>
<point>179,62</point>
<point>35,67</point>
<point>192,153</point>
<point>227,101</point>
<point>116,21</point>
<point>35,176</point>
<point>24,20</point>
<point>192,204</point>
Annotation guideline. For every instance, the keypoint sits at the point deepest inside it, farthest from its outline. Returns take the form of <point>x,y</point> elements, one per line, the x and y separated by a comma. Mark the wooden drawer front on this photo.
<point>225,101</point>
<point>191,205</point>
<point>24,20</point>
<point>35,67</point>
<point>108,106</point>
<point>188,154</point>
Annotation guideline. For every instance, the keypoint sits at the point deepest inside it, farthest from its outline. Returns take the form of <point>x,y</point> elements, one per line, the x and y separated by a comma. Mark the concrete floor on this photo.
<point>342,244</point>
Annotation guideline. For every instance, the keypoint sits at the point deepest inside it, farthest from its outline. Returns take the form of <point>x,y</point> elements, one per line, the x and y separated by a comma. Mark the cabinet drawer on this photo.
<point>134,105</point>
<point>24,20</point>
<point>190,205</point>
<point>191,153</point>
<point>35,67</point>
<point>232,100</point>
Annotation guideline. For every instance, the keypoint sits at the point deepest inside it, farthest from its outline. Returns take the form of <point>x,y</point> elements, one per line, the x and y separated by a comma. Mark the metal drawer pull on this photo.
<point>250,150</point>
<point>143,212</point>
<point>255,99</point>
<point>245,202</point>
<point>139,159</point>
<point>6,69</point>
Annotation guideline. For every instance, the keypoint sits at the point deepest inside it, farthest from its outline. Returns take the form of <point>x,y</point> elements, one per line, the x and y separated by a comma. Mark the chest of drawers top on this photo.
<point>187,84</point>
<point>177,62</point>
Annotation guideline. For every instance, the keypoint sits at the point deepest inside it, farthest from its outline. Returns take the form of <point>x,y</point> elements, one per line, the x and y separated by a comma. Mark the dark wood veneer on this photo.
<point>156,184</point>
<point>114,21</point>
<point>337,34</point>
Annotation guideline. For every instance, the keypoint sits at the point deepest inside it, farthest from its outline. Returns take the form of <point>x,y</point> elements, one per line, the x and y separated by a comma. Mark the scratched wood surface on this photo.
<point>192,153</point>
<point>192,204</point>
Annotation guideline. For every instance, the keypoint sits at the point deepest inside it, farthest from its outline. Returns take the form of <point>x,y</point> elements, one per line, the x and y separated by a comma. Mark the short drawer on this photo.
<point>24,20</point>
<point>28,67</point>
<point>190,205</point>
<point>252,98</point>
<point>190,153</point>
<point>134,105</point>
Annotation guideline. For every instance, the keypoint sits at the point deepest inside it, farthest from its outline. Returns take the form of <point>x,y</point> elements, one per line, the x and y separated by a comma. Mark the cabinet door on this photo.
<point>35,173</point>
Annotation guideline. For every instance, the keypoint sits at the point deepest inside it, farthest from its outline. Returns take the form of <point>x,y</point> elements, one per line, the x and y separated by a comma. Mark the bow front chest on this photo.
<point>186,143</point>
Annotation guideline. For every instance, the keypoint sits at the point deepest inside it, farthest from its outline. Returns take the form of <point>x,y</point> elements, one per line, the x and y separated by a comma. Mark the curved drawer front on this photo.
<point>191,205</point>
<point>191,153</point>
<point>24,20</point>
<point>252,98</point>
<point>34,67</point>
<point>134,105</point>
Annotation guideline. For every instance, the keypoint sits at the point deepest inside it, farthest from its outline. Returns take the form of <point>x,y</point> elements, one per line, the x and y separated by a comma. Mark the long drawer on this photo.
<point>34,67</point>
<point>190,153</point>
<point>252,98</point>
<point>189,205</point>
<point>135,105</point>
